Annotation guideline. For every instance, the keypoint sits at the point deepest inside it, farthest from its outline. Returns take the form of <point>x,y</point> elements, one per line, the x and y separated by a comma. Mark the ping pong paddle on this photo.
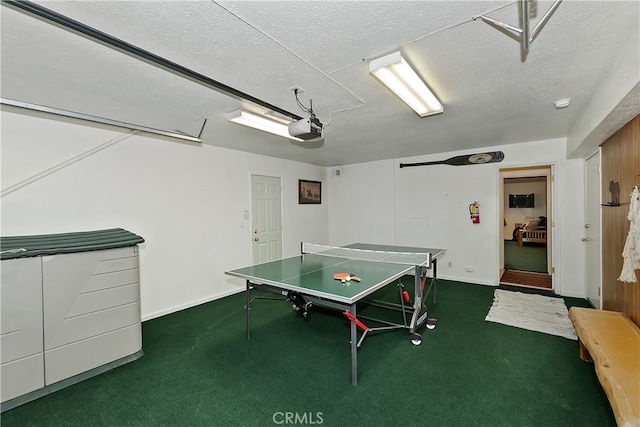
<point>346,277</point>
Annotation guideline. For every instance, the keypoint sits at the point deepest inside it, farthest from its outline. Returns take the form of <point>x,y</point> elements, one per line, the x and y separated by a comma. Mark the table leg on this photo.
<point>435,281</point>
<point>248,308</point>
<point>354,348</point>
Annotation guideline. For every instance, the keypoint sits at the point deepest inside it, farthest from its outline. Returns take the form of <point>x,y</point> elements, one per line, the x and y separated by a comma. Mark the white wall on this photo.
<point>186,200</point>
<point>429,206</point>
<point>362,203</point>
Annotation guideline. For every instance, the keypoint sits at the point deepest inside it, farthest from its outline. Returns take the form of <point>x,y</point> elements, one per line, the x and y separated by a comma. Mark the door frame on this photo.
<point>529,171</point>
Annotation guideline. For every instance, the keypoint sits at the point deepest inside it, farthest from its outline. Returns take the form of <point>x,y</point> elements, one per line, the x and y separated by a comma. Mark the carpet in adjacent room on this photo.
<point>529,257</point>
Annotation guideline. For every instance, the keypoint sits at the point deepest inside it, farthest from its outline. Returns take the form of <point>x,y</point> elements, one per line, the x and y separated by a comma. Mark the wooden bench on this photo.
<point>611,341</point>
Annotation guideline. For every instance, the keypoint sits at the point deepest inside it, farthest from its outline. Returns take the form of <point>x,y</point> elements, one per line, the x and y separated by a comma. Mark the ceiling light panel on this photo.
<point>395,73</point>
<point>262,123</point>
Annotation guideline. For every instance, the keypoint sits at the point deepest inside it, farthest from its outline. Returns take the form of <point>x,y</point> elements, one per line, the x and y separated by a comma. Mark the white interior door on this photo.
<point>592,230</point>
<point>266,203</point>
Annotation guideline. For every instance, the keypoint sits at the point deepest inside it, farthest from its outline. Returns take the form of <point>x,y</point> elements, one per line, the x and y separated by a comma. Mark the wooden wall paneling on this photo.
<point>633,292</point>
<point>610,259</point>
<point>620,163</point>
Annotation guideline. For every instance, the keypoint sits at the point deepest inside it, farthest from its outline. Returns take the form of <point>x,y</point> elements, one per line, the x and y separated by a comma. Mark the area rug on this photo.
<point>533,312</point>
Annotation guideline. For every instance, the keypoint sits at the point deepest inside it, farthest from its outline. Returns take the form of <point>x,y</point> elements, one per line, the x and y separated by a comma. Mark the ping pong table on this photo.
<point>307,280</point>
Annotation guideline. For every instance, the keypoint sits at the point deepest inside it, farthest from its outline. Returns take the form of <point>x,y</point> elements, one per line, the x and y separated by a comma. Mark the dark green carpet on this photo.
<point>530,257</point>
<point>199,370</point>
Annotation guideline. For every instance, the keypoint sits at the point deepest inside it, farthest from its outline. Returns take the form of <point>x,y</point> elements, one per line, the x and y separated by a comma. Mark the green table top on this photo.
<point>312,274</point>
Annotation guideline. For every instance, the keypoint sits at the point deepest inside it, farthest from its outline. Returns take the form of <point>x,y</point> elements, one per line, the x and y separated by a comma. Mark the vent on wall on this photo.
<point>521,200</point>
<point>336,172</point>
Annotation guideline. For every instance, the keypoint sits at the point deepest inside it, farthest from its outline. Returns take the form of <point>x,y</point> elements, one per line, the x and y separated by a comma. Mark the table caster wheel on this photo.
<point>416,339</point>
<point>431,323</point>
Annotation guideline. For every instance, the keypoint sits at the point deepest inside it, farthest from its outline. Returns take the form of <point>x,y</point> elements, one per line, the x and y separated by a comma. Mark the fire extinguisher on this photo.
<point>474,211</point>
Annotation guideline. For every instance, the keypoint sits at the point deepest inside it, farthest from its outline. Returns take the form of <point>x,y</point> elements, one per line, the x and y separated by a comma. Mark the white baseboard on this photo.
<point>170,310</point>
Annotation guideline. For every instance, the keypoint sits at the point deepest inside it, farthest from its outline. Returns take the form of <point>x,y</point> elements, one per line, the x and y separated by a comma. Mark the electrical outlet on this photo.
<point>450,264</point>
<point>468,269</point>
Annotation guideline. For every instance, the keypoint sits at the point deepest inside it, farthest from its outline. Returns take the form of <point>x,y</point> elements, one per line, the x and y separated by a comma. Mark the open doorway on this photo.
<point>525,256</point>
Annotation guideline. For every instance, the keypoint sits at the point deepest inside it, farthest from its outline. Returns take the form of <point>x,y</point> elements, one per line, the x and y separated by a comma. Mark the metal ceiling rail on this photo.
<point>65,22</point>
<point>96,119</point>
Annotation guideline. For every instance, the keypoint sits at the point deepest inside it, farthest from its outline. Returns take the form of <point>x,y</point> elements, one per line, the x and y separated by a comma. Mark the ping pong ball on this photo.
<point>348,278</point>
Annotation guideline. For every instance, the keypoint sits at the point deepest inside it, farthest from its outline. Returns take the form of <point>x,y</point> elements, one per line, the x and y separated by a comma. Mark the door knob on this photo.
<point>585,239</point>
<point>255,239</point>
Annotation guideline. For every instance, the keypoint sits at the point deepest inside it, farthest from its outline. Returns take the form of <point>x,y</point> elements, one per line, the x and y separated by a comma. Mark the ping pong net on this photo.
<point>405,258</point>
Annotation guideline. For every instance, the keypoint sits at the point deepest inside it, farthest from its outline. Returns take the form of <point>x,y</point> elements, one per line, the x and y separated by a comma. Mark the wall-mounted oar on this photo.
<point>469,159</point>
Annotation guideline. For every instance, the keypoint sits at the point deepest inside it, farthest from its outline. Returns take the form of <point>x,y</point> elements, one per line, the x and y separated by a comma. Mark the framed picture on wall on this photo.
<point>309,192</point>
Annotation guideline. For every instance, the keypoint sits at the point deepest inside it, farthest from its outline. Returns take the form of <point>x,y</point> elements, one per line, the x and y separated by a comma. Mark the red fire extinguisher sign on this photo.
<point>474,211</point>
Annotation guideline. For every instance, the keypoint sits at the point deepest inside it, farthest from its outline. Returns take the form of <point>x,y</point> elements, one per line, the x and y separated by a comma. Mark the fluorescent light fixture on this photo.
<point>393,71</point>
<point>262,123</point>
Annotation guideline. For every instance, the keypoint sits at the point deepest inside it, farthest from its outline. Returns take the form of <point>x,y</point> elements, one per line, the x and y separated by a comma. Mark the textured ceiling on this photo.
<point>491,95</point>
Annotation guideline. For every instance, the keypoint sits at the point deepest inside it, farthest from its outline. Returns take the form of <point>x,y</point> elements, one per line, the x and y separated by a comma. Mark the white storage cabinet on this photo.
<point>70,310</point>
